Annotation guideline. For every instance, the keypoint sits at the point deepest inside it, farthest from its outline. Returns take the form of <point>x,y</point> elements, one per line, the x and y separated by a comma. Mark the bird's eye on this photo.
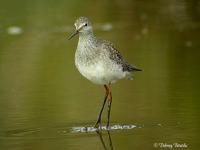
<point>86,24</point>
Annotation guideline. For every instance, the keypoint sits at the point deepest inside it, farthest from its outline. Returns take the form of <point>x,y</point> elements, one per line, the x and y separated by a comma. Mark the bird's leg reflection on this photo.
<point>110,140</point>
<point>102,140</point>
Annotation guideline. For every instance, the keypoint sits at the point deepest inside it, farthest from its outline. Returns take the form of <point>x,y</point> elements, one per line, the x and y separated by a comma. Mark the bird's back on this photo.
<point>116,56</point>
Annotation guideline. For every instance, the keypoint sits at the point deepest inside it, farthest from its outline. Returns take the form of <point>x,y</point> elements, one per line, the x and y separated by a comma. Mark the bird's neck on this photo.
<point>86,38</point>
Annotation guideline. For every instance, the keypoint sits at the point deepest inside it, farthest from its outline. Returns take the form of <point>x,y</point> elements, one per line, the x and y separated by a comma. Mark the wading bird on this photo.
<point>99,61</point>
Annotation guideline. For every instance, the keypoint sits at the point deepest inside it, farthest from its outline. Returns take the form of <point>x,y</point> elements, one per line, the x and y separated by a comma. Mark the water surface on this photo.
<point>43,97</point>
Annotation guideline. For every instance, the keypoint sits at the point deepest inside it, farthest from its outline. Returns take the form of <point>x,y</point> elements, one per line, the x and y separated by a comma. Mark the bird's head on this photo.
<point>82,25</point>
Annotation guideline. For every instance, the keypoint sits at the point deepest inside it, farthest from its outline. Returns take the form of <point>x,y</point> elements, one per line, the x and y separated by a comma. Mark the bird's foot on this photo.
<point>98,124</point>
<point>107,127</point>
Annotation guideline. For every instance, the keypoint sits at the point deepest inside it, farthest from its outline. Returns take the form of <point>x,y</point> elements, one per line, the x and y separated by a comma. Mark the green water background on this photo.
<point>42,95</point>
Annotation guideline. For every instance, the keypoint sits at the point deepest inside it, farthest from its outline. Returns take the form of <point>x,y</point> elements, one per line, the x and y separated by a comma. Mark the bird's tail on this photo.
<point>135,69</point>
<point>130,68</point>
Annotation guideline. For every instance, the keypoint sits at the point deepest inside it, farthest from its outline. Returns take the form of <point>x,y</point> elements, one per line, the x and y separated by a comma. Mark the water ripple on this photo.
<point>92,129</point>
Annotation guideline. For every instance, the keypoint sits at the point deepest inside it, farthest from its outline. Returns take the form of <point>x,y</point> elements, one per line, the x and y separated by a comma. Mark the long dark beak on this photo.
<point>73,34</point>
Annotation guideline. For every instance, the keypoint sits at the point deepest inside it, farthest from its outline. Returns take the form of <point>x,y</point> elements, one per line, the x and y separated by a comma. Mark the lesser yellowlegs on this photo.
<point>99,61</point>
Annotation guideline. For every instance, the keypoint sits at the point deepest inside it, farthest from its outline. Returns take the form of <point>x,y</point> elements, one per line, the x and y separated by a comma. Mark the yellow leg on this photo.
<point>109,105</point>
<point>98,123</point>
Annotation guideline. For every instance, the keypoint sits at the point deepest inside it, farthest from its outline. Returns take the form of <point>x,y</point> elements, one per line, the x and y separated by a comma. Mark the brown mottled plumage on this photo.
<point>99,61</point>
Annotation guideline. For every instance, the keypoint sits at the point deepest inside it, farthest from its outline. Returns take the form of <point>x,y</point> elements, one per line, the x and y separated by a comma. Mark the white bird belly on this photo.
<point>99,73</point>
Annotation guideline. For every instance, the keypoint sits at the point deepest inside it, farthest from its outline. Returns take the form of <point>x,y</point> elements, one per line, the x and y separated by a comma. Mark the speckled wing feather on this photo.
<point>117,57</point>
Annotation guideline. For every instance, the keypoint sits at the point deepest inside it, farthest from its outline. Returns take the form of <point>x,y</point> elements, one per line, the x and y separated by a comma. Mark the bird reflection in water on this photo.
<point>91,129</point>
<point>99,133</point>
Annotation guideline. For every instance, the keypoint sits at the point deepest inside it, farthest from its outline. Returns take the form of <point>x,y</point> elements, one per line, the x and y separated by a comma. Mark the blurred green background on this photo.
<point>42,95</point>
